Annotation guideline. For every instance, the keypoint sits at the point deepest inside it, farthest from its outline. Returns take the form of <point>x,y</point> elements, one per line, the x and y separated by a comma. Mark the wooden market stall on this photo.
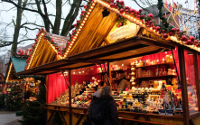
<point>2,83</point>
<point>98,38</point>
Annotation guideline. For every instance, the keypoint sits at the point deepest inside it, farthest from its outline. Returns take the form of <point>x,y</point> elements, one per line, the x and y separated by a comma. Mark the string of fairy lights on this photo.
<point>7,78</point>
<point>34,51</point>
<point>80,28</point>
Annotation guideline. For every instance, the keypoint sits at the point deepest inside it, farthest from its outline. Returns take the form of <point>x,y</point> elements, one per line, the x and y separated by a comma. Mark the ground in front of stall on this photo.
<point>9,118</point>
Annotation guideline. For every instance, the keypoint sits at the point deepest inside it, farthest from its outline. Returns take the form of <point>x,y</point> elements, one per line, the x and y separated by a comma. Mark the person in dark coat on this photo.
<point>106,107</point>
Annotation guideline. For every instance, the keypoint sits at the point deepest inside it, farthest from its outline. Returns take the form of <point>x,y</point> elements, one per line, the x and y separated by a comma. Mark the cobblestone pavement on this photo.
<point>9,118</point>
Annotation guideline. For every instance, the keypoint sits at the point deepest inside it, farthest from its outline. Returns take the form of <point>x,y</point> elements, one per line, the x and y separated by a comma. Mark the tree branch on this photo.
<point>31,10</point>
<point>71,17</point>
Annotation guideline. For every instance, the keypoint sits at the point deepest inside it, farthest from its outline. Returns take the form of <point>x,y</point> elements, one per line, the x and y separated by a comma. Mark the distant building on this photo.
<point>190,20</point>
<point>154,10</point>
<point>4,59</point>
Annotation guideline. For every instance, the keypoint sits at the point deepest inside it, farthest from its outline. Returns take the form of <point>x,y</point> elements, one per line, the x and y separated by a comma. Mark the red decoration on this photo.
<point>120,23</point>
<point>22,53</point>
<point>121,11</point>
<point>112,5</point>
<point>163,31</point>
<point>121,3</point>
<point>150,15</point>
<point>72,36</point>
<point>73,31</point>
<point>171,33</point>
<point>157,28</point>
<point>198,45</point>
<point>42,30</point>
<point>128,8</point>
<point>137,12</point>
<point>85,6</point>
<point>112,1</point>
<point>191,38</point>
<point>36,40</point>
<point>52,40</point>
<point>140,10</point>
<point>33,46</point>
<point>184,38</point>
<point>117,1</point>
<point>78,21</point>
<point>59,53</point>
<point>173,30</point>
<point>19,52</point>
<point>82,12</point>
<point>195,42</point>
<point>165,35</point>
<point>126,11</point>
<point>68,43</point>
<point>142,16</point>
<point>75,25</point>
<point>189,42</point>
<point>132,11</point>
<point>115,6</point>
<point>177,30</point>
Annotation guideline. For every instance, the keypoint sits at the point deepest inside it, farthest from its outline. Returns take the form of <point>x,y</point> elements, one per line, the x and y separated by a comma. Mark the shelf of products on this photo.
<point>159,64</point>
<point>152,77</point>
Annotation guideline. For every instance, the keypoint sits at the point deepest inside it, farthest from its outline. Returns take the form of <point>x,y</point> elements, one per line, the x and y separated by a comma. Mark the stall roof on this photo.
<point>19,64</point>
<point>16,64</point>
<point>46,49</point>
<point>128,48</point>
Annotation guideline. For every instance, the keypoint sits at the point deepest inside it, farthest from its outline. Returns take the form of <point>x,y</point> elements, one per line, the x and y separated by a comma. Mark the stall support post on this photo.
<point>109,72</point>
<point>197,79</point>
<point>183,86</point>
<point>46,96</point>
<point>70,100</point>
<point>46,89</point>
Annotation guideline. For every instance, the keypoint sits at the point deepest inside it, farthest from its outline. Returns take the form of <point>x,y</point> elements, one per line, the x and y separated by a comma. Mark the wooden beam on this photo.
<point>70,99</point>
<point>183,85</point>
<point>134,56</point>
<point>196,71</point>
<point>46,89</point>
<point>109,73</point>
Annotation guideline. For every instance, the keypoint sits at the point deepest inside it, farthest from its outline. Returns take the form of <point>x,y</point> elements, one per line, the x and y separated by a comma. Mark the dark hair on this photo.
<point>106,90</point>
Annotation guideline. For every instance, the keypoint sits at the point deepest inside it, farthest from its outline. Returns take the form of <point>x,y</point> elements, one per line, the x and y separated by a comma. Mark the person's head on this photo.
<point>123,76</point>
<point>106,91</point>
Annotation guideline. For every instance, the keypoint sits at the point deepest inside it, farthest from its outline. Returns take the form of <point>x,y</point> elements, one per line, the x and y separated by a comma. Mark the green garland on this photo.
<point>164,24</point>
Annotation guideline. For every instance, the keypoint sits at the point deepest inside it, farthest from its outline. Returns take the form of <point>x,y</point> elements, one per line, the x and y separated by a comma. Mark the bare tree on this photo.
<point>58,23</point>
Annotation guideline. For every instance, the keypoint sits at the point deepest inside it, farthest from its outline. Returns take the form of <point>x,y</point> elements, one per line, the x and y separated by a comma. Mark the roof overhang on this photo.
<point>129,48</point>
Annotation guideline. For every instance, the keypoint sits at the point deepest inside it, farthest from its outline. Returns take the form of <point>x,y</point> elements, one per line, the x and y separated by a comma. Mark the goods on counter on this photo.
<point>80,98</point>
<point>149,100</point>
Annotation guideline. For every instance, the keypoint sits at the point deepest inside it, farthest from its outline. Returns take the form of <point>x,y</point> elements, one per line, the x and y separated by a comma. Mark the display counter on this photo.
<point>80,114</point>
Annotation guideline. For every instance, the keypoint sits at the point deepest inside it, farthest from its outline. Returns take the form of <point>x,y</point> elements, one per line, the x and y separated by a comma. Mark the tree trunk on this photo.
<point>17,29</point>
<point>71,17</point>
<point>56,27</point>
